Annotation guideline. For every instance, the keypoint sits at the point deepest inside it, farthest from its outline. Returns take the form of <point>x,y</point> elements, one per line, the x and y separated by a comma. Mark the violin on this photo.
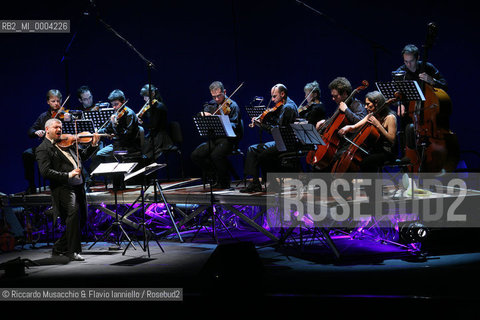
<point>260,118</point>
<point>60,112</point>
<point>66,140</point>
<point>225,106</point>
<point>121,113</point>
<point>99,105</point>
<point>116,115</point>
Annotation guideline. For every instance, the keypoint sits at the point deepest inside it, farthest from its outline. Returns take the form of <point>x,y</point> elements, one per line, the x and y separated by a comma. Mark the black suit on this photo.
<point>69,201</point>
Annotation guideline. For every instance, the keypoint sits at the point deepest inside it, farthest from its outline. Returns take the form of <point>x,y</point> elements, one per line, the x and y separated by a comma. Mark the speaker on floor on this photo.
<point>233,268</point>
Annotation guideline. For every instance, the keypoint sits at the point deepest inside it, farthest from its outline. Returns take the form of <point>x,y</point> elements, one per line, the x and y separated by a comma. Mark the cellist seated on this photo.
<point>383,119</point>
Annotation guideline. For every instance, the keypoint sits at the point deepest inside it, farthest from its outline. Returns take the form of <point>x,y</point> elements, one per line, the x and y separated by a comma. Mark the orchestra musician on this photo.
<point>212,159</point>
<point>85,97</point>
<point>264,156</point>
<point>314,111</point>
<point>37,131</point>
<point>340,90</point>
<point>385,123</point>
<point>153,118</point>
<point>413,70</point>
<point>123,124</point>
<point>62,168</point>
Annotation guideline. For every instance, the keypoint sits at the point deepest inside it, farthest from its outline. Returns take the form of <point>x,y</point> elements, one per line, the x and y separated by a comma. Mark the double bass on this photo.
<point>323,155</point>
<point>436,147</point>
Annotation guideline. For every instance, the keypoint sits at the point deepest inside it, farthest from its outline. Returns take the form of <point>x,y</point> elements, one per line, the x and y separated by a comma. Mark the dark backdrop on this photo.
<point>261,42</point>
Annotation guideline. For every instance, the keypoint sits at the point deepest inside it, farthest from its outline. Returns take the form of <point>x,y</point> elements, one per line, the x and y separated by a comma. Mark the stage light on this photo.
<point>412,232</point>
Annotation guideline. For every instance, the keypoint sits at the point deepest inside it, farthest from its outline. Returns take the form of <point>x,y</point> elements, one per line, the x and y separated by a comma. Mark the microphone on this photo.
<point>256,99</point>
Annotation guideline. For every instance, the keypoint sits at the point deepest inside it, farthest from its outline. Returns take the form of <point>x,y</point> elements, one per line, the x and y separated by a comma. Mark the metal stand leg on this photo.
<point>116,223</point>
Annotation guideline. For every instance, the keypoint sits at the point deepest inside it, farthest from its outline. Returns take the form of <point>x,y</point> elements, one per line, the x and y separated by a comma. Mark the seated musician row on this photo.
<point>124,125</point>
<point>350,116</point>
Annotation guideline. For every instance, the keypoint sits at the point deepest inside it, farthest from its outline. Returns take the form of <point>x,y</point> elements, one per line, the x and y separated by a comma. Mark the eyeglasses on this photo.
<point>217,96</point>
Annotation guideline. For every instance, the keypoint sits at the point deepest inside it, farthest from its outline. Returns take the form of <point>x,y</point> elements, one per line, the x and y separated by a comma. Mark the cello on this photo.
<point>436,147</point>
<point>323,155</point>
<point>366,137</point>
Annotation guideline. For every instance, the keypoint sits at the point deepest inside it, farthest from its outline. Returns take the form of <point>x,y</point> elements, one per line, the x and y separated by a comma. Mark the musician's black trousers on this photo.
<point>264,156</point>
<point>71,206</point>
<point>212,157</point>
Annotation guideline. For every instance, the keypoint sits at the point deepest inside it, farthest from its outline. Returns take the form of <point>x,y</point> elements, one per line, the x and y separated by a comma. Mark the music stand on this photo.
<point>409,89</point>
<point>214,127</point>
<point>145,172</point>
<point>307,134</point>
<point>255,111</point>
<point>285,139</point>
<point>82,126</point>
<point>100,118</point>
<point>114,170</point>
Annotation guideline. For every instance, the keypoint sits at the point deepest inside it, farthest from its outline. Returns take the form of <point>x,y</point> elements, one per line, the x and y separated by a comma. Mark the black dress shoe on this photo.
<point>254,186</point>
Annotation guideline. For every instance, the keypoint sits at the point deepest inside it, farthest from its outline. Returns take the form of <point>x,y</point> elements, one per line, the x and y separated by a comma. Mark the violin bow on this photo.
<point>221,106</point>
<point>76,142</point>
<point>306,98</point>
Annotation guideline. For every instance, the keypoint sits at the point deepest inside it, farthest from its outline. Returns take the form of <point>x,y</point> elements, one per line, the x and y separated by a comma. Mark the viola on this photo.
<point>364,140</point>
<point>145,108</point>
<point>260,118</point>
<point>323,155</point>
<point>305,107</point>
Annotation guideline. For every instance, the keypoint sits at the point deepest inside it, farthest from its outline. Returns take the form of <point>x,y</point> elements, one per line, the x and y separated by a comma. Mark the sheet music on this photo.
<point>409,89</point>
<point>114,167</point>
<point>218,125</point>
<point>227,125</point>
<point>277,136</point>
<point>147,170</point>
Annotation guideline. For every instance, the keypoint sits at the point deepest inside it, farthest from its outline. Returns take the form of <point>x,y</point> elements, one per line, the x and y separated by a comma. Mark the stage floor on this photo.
<point>369,272</point>
<point>297,272</point>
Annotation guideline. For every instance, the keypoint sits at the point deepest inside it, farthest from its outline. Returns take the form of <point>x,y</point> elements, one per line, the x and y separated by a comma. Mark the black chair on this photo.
<point>235,153</point>
<point>175,133</point>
